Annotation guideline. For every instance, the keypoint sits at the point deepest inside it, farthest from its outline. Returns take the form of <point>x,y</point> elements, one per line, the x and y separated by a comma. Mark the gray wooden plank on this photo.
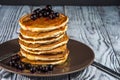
<point>111,19</point>
<point>22,10</point>
<point>87,26</point>
<point>6,29</point>
<point>9,26</point>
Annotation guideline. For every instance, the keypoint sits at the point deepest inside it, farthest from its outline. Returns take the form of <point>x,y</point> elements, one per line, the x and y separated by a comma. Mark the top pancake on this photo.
<point>42,24</point>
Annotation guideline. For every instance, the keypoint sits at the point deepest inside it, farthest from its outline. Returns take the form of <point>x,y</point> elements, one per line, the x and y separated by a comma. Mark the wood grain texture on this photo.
<point>90,25</point>
<point>87,26</point>
<point>9,28</point>
<point>111,19</point>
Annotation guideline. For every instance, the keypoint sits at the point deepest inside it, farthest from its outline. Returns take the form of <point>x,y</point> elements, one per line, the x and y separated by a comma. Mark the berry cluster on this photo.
<point>16,63</point>
<point>45,12</point>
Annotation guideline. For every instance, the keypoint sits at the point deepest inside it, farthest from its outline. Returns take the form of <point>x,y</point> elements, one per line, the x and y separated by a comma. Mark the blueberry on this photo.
<point>52,16</point>
<point>27,65</point>
<point>12,62</point>
<point>51,12</point>
<point>16,65</point>
<point>39,68</point>
<point>33,69</point>
<point>43,10</point>
<point>48,7</point>
<point>39,15</point>
<point>44,69</point>
<point>33,16</point>
<point>20,66</point>
<point>15,57</point>
<point>36,11</point>
<point>56,14</point>
<point>45,14</point>
<point>48,13</point>
<point>50,67</point>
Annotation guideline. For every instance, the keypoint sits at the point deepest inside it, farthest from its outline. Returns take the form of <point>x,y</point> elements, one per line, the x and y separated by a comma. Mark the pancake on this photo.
<point>42,24</point>
<point>36,46</point>
<point>42,35</point>
<point>41,41</point>
<point>58,62</point>
<point>44,57</point>
<point>39,62</point>
<point>53,51</point>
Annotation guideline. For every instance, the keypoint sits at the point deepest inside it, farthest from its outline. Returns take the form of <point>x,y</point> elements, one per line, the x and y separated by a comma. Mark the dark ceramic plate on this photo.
<point>81,56</point>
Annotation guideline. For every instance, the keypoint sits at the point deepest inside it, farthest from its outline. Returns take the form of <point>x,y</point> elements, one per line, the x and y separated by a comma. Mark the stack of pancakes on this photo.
<point>43,41</point>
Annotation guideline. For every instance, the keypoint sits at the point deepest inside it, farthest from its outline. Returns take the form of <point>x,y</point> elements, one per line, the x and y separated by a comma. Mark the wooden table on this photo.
<point>97,27</point>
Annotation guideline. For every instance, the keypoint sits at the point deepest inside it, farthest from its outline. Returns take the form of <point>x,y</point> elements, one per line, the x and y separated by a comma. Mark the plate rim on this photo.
<point>3,66</point>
